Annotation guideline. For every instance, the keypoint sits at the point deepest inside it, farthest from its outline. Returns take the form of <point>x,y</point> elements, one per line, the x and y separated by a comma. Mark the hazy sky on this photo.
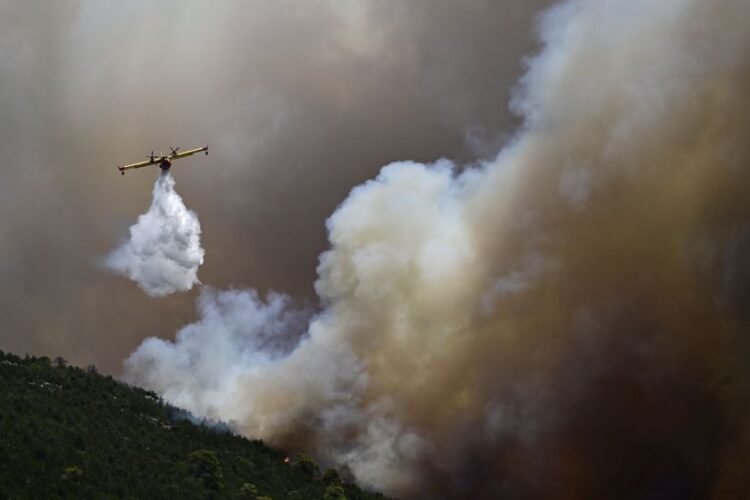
<point>298,101</point>
<point>559,312</point>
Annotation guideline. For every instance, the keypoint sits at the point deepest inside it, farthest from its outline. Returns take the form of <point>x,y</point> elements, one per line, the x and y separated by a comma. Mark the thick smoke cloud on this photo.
<point>298,100</point>
<point>164,250</point>
<point>567,320</point>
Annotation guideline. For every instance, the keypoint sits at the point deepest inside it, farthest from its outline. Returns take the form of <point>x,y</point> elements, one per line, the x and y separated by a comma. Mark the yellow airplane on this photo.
<point>164,161</point>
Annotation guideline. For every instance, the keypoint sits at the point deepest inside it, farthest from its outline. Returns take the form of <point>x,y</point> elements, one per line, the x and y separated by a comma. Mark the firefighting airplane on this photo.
<point>164,161</point>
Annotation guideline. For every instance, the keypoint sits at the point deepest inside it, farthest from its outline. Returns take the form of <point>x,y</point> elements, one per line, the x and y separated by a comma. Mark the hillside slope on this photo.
<point>72,433</point>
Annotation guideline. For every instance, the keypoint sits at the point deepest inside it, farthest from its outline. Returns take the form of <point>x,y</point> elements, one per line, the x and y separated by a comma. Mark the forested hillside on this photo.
<point>66,432</point>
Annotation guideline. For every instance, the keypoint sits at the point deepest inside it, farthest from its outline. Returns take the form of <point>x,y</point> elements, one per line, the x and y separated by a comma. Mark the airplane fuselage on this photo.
<point>163,161</point>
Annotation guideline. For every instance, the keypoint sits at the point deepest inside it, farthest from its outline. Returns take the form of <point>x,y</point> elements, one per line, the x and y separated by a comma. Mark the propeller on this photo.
<point>174,150</point>
<point>151,157</point>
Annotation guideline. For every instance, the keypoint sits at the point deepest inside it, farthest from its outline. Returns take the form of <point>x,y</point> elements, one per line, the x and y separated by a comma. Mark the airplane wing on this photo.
<point>140,164</point>
<point>189,153</point>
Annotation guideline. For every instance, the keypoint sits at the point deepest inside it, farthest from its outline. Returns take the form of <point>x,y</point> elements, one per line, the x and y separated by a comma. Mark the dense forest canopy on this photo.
<point>68,432</point>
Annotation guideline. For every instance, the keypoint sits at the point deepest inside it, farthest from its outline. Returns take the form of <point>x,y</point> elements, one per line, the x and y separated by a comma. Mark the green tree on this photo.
<point>248,491</point>
<point>334,492</point>
<point>306,465</point>
<point>331,476</point>
<point>205,467</point>
<point>72,474</point>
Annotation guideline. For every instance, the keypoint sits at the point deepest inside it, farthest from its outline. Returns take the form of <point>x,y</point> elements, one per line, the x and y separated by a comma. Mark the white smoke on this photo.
<point>451,303</point>
<point>164,250</point>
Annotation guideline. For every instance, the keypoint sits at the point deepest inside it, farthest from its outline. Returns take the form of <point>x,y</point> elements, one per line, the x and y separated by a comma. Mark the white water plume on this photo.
<point>163,252</point>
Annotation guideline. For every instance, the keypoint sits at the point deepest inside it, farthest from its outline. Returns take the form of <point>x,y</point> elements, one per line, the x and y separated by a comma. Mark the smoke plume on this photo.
<point>299,100</point>
<point>566,320</point>
<point>164,250</point>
